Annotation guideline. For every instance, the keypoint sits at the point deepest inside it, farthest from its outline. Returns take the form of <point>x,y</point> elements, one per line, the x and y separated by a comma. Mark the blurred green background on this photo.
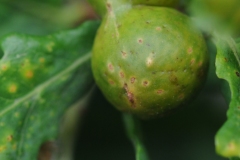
<point>185,135</point>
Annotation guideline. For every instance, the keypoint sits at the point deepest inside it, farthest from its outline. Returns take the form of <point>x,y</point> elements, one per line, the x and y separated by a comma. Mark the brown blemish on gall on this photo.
<point>225,59</point>
<point>192,61</point>
<point>145,83</point>
<point>200,73</point>
<point>200,64</point>
<point>121,74</point>
<point>181,96</point>
<point>140,40</point>
<point>110,67</point>
<point>160,91</point>
<point>190,50</point>
<point>111,82</point>
<point>129,94</point>
<point>158,28</point>
<point>132,80</point>
<point>124,54</point>
<point>109,7</point>
<point>173,79</point>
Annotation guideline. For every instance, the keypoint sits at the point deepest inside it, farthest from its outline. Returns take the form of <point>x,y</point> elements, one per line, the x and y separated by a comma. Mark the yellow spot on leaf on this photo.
<point>12,88</point>
<point>2,124</point>
<point>2,148</point>
<point>41,60</point>
<point>231,147</point>
<point>14,146</point>
<point>29,74</point>
<point>16,114</point>
<point>50,47</point>
<point>26,61</point>
<point>4,67</point>
<point>10,138</point>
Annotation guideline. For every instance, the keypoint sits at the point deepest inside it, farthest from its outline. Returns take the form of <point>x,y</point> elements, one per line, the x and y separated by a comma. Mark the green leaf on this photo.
<point>228,68</point>
<point>235,158</point>
<point>133,130</point>
<point>40,17</point>
<point>40,78</point>
<point>13,20</point>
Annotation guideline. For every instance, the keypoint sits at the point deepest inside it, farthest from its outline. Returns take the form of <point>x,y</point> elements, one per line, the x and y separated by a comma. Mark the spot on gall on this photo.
<point>145,83</point>
<point>140,40</point>
<point>160,91</point>
<point>190,50</point>
<point>110,67</point>
<point>158,28</point>
<point>121,74</point>
<point>132,79</point>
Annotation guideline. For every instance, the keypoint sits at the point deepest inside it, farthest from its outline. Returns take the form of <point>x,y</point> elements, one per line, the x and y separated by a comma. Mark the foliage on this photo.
<point>227,64</point>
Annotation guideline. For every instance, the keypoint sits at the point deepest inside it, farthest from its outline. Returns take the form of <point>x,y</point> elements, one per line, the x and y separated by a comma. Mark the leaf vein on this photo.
<point>39,88</point>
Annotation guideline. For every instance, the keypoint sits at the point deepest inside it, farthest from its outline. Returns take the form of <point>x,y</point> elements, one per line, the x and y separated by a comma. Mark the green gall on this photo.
<point>149,61</point>
<point>165,3</point>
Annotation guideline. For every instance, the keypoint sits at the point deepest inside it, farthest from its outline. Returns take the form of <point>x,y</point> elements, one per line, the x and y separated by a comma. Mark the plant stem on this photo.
<point>133,131</point>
